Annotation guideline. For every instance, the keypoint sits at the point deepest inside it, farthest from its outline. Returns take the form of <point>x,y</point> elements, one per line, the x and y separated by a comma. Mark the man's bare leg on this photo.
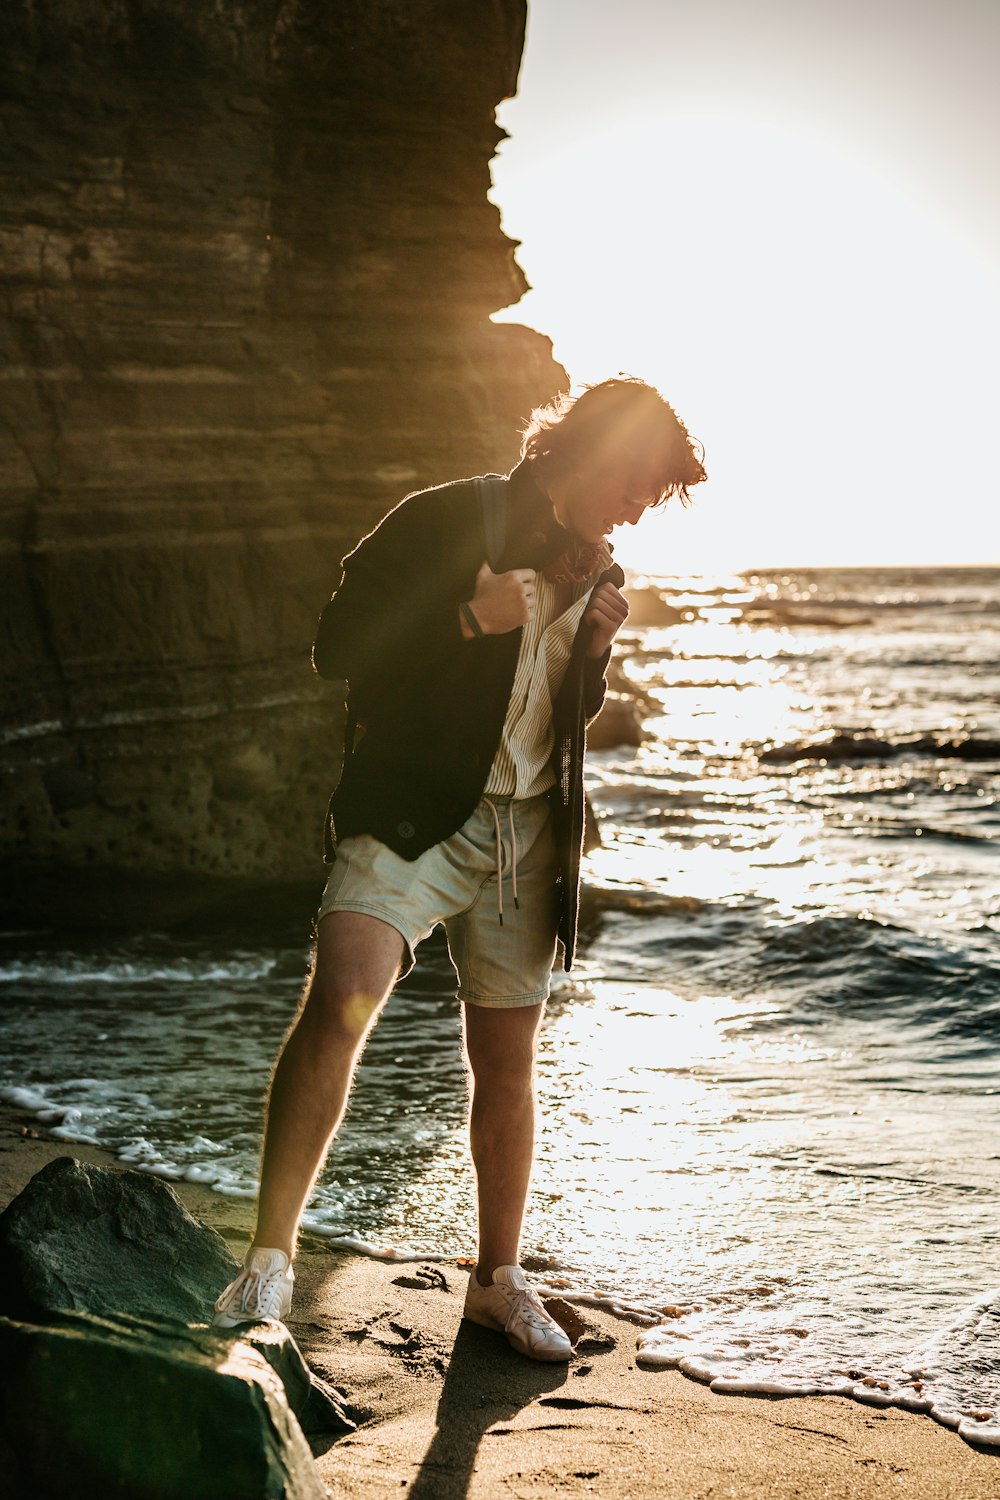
<point>501,1048</point>
<point>357,960</point>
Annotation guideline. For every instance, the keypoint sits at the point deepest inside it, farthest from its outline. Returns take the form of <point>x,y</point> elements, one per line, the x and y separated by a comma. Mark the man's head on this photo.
<point>605,456</point>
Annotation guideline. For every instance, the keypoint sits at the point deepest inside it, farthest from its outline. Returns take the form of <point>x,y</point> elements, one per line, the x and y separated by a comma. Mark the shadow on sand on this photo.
<point>487,1384</point>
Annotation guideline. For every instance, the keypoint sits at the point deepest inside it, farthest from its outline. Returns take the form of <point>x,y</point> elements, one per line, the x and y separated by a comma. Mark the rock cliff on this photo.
<point>249,264</point>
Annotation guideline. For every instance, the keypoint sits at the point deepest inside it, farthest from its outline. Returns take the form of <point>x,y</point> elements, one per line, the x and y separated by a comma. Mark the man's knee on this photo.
<point>357,959</point>
<point>500,1056</point>
<point>341,1005</point>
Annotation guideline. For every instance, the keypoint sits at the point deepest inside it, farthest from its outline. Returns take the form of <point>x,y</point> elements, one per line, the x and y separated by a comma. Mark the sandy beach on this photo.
<point>449,1411</point>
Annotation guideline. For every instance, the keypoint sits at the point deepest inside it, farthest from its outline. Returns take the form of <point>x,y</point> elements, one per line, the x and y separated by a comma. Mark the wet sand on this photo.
<point>448,1410</point>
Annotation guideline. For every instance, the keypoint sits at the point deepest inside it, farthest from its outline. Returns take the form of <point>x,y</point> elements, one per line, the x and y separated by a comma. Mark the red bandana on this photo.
<point>580,562</point>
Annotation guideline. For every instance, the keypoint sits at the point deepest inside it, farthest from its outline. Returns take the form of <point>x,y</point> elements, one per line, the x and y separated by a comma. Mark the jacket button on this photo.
<point>405,830</point>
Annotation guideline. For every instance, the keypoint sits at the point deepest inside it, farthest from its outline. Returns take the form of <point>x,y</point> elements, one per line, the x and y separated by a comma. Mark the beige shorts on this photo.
<point>500,963</point>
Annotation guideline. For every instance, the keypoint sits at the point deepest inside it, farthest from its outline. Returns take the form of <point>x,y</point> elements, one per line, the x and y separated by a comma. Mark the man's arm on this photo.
<point>397,598</point>
<point>501,602</point>
<point>402,589</point>
<point>595,684</point>
<point>605,615</point>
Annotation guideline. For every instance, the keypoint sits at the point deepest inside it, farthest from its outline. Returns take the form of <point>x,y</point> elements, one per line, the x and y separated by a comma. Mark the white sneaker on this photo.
<point>512,1307</point>
<point>261,1293</point>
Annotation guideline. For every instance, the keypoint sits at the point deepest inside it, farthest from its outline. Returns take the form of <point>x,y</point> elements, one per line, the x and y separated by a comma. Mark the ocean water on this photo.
<point>769,1130</point>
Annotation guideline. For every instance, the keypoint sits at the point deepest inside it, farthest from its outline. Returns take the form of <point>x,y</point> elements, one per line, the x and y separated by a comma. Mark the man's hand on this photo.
<point>502,601</point>
<point>607,613</point>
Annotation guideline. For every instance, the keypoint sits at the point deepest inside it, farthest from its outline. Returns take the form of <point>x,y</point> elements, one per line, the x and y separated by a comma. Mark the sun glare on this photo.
<point>814,325</point>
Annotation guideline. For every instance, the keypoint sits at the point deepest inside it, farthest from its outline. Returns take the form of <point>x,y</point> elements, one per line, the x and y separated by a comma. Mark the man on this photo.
<point>469,685</point>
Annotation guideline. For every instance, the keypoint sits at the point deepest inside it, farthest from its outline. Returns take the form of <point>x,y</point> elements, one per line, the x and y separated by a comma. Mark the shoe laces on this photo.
<point>256,1289</point>
<point>527,1307</point>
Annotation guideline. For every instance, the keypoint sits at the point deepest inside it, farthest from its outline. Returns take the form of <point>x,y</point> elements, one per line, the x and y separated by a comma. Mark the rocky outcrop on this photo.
<point>103,1241</point>
<point>98,1240</point>
<point>103,1273</point>
<point>648,607</point>
<point>117,1407</point>
<point>618,723</point>
<point>250,263</point>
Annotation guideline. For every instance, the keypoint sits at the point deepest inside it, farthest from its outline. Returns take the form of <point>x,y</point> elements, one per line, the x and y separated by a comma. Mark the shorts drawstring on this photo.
<point>513,856</point>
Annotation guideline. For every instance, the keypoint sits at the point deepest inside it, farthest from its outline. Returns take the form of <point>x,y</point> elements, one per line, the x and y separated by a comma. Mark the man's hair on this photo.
<point>618,419</point>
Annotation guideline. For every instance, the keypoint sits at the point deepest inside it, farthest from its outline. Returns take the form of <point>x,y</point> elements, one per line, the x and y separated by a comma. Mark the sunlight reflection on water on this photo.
<point>768,1087</point>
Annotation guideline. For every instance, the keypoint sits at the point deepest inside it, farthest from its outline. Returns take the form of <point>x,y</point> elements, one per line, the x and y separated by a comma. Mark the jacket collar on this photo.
<point>534,536</point>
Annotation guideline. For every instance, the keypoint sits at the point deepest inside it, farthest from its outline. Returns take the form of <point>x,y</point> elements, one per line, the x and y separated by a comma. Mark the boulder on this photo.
<point>591,827</point>
<point>323,1411</point>
<point>618,723</point>
<point>619,681</point>
<point>125,1407</point>
<point>120,1244</point>
<point>102,1240</point>
<point>648,607</point>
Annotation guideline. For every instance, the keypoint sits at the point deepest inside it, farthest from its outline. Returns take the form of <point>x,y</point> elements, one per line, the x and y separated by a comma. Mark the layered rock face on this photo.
<point>250,263</point>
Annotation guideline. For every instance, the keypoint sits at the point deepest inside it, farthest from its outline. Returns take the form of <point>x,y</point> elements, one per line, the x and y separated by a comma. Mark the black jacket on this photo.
<point>426,707</point>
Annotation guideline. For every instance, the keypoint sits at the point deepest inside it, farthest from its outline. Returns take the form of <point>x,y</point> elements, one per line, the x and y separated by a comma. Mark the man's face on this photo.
<point>596,501</point>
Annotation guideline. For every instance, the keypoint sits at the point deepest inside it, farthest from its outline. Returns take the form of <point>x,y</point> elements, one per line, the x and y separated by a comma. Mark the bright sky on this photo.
<point>786,215</point>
